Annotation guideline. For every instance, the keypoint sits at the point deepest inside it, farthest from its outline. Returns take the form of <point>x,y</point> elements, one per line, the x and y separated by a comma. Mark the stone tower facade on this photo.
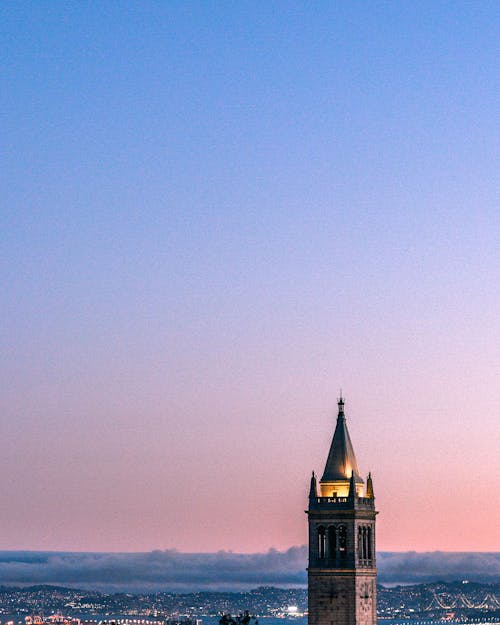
<point>342,574</point>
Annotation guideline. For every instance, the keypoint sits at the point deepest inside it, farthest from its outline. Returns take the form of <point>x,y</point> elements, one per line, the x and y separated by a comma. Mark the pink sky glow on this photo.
<point>215,216</point>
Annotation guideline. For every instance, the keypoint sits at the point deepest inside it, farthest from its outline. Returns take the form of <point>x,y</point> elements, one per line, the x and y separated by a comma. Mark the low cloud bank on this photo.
<point>185,572</point>
<point>433,566</point>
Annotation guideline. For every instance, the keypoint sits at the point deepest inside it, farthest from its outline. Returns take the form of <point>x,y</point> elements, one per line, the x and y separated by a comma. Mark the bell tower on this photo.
<point>342,574</point>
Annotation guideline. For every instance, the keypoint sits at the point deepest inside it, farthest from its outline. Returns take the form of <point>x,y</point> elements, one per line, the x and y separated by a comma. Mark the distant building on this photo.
<point>342,574</point>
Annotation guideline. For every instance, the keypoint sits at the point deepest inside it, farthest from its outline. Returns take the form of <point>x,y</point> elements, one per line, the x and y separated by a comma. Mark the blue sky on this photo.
<point>213,216</point>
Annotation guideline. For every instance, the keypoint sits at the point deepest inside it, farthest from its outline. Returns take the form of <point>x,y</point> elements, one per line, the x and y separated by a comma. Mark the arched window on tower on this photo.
<point>360,543</point>
<point>321,541</point>
<point>369,553</point>
<point>332,541</point>
<point>342,540</point>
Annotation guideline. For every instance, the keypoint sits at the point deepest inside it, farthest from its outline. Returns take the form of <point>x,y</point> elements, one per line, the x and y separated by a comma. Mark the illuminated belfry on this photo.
<point>342,574</point>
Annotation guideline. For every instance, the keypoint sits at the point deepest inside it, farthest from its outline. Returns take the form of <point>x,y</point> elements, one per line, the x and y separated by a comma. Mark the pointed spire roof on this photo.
<point>369,486</point>
<point>352,485</point>
<point>341,459</point>
<point>313,491</point>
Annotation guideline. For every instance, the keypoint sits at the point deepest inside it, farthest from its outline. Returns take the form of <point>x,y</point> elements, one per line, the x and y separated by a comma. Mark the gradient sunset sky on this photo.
<point>213,216</point>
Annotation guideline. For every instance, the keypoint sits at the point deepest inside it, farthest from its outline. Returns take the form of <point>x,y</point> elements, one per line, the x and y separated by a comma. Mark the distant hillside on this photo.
<point>461,598</point>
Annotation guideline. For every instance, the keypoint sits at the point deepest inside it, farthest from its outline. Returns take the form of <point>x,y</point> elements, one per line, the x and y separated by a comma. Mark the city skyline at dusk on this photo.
<point>215,217</point>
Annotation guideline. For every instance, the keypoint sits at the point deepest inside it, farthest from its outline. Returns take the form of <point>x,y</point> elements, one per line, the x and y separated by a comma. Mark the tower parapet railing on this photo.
<point>367,503</point>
